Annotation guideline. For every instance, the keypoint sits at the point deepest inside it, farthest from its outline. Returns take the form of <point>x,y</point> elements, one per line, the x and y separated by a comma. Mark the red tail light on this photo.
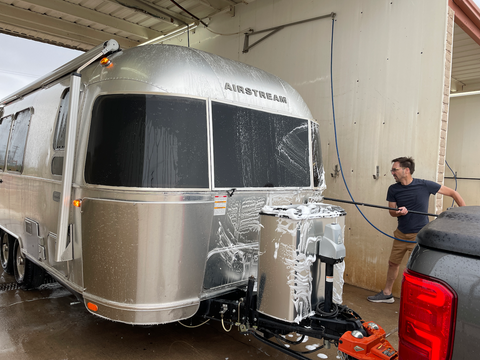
<point>427,318</point>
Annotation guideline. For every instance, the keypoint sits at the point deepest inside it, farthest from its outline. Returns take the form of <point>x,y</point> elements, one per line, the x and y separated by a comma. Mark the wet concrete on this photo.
<point>50,323</point>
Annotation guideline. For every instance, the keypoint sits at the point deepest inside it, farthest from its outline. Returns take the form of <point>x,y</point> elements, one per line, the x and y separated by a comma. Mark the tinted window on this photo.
<point>148,141</point>
<point>18,141</point>
<point>60,129</point>
<point>5,125</point>
<point>257,149</point>
<point>317,157</point>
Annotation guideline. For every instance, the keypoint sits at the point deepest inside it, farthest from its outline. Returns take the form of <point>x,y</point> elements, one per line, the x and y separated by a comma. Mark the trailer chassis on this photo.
<point>340,326</point>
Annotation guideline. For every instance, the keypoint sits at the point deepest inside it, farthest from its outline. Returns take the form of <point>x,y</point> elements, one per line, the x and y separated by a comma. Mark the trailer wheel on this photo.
<point>27,274</point>
<point>6,252</point>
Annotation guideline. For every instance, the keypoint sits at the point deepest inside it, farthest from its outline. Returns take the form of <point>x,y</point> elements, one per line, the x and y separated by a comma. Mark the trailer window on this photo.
<point>318,178</point>
<point>18,141</point>
<point>5,125</point>
<point>57,165</point>
<point>148,141</point>
<point>258,149</point>
<point>60,129</point>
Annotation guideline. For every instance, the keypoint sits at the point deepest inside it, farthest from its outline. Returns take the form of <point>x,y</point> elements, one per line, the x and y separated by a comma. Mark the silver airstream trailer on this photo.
<point>136,177</point>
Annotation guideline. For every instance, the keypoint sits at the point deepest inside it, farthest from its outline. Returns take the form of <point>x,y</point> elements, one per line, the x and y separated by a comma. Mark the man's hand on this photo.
<point>402,210</point>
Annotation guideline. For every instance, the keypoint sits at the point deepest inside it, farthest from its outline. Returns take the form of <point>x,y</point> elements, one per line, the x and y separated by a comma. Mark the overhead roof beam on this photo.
<point>57,27</point>
<point>156,10</point>
<point>98,17</point>
<point>148,8</point>
<point>207,4</point>
<point>230,2</point>
<point>226,10</point>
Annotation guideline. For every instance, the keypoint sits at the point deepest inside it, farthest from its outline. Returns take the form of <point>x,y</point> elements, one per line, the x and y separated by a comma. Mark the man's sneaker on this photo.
<point>381,298</point>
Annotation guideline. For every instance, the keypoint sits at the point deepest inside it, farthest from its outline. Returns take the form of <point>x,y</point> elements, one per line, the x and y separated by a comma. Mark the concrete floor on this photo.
<point>51,324</point>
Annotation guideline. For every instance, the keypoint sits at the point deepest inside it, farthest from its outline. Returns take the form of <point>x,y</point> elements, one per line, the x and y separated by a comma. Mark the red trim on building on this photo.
<point>467,16</point>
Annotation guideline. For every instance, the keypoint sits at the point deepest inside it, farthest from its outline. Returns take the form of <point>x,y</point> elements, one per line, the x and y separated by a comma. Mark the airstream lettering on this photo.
<point>249,91</point>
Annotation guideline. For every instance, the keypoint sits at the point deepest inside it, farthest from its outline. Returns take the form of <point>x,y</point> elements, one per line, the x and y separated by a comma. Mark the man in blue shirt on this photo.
<point>408,194</point>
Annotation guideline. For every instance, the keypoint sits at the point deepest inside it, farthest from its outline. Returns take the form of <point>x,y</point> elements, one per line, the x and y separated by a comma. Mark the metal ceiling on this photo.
<point>83,24</point>
<point>465,62</point>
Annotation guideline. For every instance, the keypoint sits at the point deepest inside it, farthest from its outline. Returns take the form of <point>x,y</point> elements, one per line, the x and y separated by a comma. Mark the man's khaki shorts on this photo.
<point>399,248</point>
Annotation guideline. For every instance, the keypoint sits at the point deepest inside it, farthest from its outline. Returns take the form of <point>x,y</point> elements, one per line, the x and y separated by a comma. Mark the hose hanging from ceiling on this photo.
<point>188,12</point>
<point>336,142</point>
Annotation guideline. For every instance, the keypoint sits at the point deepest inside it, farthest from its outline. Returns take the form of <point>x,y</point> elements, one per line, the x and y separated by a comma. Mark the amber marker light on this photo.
<point>92,306</point>
<point>77,203</point>
<point>105,62</point>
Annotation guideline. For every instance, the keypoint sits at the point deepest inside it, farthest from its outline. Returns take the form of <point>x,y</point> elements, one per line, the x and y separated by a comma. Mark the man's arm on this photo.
<point>444,190</point>
<point>401,210</point>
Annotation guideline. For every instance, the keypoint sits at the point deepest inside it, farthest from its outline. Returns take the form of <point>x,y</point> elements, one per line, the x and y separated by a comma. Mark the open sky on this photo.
<point>23,61</point>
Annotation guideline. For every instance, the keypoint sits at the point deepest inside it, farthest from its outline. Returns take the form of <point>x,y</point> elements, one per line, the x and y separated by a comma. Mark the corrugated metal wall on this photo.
<point>389,71</point>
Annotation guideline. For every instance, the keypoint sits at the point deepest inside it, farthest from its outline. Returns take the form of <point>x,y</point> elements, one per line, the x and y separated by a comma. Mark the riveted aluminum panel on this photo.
<point>144,262</point>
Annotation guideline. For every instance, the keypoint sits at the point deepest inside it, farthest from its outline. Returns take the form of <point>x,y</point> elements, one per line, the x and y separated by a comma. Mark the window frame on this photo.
<point>12,131</point>
<point>210,146</point>
<point>12,116</point>
<point>59,121</point>
<point>146,189</point>
<point>212,160</point>
<point>59,152</point>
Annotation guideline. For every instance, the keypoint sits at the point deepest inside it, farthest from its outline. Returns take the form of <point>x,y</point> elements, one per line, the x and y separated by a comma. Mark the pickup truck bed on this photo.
<point>440,301</point>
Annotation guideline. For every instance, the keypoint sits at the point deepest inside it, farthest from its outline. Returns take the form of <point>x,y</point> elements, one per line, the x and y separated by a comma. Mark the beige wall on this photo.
<point>388,74</point>
<point>463,147</point>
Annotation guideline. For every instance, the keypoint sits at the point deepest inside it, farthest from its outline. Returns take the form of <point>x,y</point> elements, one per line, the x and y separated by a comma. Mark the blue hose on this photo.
<point>336,143</point>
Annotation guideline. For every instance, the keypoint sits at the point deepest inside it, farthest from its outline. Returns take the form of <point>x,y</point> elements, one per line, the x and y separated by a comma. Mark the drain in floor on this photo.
<point>15,286</point>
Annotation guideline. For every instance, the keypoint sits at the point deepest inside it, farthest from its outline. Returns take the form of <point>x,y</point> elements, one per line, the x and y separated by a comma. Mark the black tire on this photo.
<point>6,252</point>
<point>27,274</point>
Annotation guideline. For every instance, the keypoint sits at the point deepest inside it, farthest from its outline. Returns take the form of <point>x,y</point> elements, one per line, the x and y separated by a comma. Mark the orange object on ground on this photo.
<point>371,347</point>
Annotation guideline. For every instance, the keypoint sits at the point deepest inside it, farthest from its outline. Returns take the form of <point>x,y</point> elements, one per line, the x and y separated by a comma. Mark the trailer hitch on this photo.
<point>355,338</point>
<point>373,347</point>
<point>279,308</point>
